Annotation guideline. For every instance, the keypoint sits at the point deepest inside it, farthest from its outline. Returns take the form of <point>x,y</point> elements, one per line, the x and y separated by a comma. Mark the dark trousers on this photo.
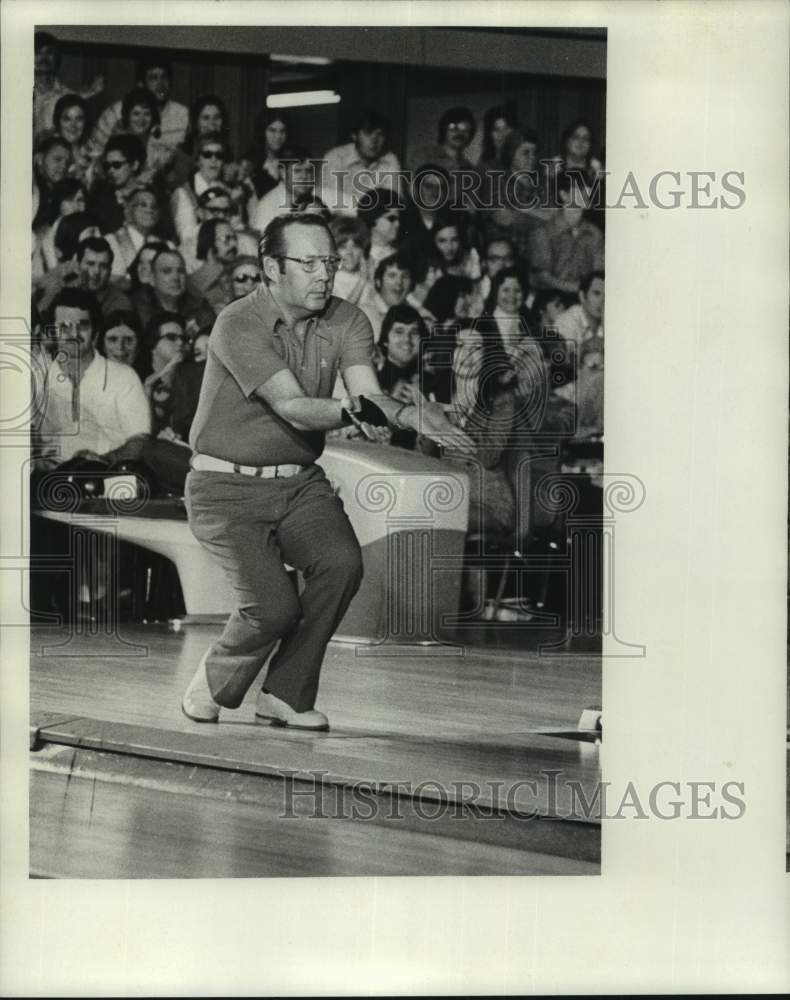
<point>252,527</point>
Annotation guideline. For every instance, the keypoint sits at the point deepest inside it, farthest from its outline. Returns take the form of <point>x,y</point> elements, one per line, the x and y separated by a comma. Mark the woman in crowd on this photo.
<point>168,345</point>
<point>498,123</point>
<point>522,204</point>
<point>575,155</point>
<point>352,240</point>
<point>211,154</point>
<point>263,157</point>
<point>122,338</point>
<point>245,276</point>
<point>451,243</point>
<point>380,210</point>
<point>70,122</point>
<point>140,117</point>
<point>68,196</point>
<point>399,374</point>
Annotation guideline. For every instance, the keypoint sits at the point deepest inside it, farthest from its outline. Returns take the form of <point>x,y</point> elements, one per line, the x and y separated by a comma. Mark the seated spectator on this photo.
<point>123,162</point>
<point>214,203</point>
<point>520,200</point>
<point>450,241</point>
<point>400,375</point>
<point>141,215</point>
<point>449,304</point>
<point>271,137</point>
<point>48,88</point>
<point>153,74</point>
<point>210,155</point>
<point>360,165</point>
<point>391,285</point>
<point>454,134</point>
<point>426,271</point>
<point>70,122</point>
<point>295,189</point>
<point>352,240</point>
<point>167,292</point>
<point>381,212</point>
<point>497,254</point>
<point>51,164</point>
<point>245,276</point>
<point>566,247</point>
<point>88,406</point>
<point>429,199</point>
<point>122,339</point>
<point>140,117</point>
<point>140,272</point>
<point>168,344</point>
<point>207,116</point>
<point>584,320</point>
<point>67,197</point>
<point>582,325</point>
<point>71,232</point>
<point>94,257</point>
<point>498,124</point>
<point>575,155</point>
<point>217,248</point>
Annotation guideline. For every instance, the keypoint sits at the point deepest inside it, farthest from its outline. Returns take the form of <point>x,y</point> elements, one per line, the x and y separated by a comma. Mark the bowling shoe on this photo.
<point>274,711</point>
<point>197,703</point>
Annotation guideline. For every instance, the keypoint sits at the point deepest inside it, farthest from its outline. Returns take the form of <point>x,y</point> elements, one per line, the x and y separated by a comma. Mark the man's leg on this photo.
<point>316,537</point>
<point>234,517</point>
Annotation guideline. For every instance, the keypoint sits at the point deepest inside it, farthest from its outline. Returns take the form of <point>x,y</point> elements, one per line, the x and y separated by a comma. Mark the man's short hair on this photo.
<point>154,60</point>
<point>588,279</point>
<point>370,120</point>
<point>96,244</point>
<point>129,146</point>
<point>48,142</point>
<point>161,250</point>
<point>80,298</point>
<point>457,114</point>
<point>401,313</point>
<point>345,228</point>
<point>273,241</point>
<point>207,235</point>
<point>399,260</point>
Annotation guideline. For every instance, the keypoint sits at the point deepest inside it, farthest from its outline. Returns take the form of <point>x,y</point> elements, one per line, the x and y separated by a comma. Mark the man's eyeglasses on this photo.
<point>212,154</point>
<point>114,164</point>
<point>248,278</point>
<point>70,329</point>
<point>310,264</point>
<point>463,126</point>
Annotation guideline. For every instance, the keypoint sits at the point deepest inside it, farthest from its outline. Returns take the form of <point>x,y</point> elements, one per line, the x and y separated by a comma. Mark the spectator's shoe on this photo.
<point>197,703</point>
<point>277,713</point>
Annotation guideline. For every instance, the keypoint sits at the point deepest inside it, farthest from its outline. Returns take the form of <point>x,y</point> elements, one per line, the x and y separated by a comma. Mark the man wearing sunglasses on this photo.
<point>123,161</point>
<point>256,497</point>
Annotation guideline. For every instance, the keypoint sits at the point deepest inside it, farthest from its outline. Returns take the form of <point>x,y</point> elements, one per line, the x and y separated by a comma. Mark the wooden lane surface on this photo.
<point>408,719</point>
<point>139,829</point>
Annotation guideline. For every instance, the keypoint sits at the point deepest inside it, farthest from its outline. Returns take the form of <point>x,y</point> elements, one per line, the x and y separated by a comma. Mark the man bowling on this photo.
<point>256,498</point>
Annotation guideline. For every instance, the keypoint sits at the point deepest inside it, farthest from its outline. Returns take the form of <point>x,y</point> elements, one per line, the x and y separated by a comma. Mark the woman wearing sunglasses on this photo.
<point>211,154</point>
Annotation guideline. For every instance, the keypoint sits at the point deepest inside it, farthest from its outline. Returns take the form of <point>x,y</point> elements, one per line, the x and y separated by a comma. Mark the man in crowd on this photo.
<point>360,165</point>
<point>89,407</point>
<point>497,255</point>
<point>94,259</point>
<point>47,88</point>
<point>392,283</point>
<point>256,497</point>
<point>295,190</point>
<point>124,159</point>
<point>141,213</point>
<point>566,247</point>
<point>217,248</point>
<point>154,74</point>
<point>582,326</point>
<point>167,292</point>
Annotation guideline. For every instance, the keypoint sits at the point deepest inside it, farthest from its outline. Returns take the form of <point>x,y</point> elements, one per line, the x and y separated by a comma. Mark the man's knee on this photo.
<point>273,617</point>
<point>345,563</point>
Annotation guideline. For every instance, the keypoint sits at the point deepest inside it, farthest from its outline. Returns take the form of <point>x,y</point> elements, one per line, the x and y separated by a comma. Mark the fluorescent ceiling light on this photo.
<point>310,60</point>
<point>302,98</point>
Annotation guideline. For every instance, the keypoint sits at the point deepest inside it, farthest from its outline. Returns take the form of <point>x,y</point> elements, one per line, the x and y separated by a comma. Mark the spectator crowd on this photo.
<point>483,282</point>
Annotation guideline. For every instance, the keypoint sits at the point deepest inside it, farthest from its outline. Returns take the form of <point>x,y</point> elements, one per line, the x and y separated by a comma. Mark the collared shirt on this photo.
<point>345,178</point>
<point>575,325</point>
<point>567,254</point>
<point>104,410</point>
<point>249,344</point>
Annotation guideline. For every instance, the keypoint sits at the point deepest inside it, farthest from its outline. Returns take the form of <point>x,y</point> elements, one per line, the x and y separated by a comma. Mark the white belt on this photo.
<point>206,463</point>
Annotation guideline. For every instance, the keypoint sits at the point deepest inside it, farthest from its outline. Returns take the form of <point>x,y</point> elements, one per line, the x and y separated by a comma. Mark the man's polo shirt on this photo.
<point>107,408</point>
<point>249,344</point>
